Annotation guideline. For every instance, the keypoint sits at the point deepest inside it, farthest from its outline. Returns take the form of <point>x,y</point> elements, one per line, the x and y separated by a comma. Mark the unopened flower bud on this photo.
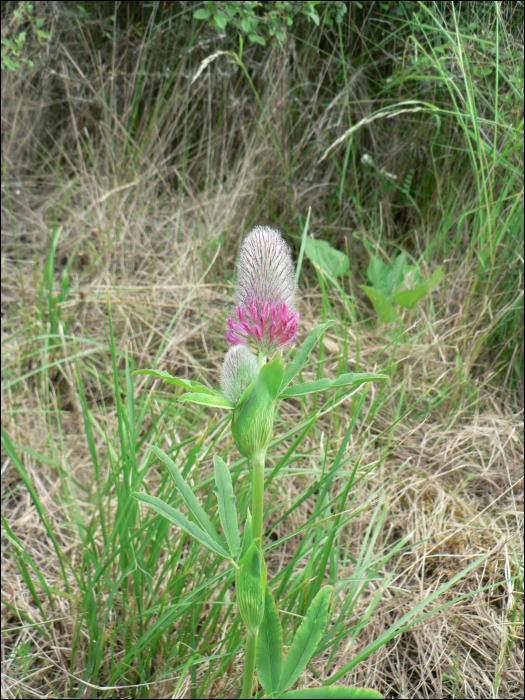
<point>250,584</point>
<point>253,417</point>
<point>239,369</point>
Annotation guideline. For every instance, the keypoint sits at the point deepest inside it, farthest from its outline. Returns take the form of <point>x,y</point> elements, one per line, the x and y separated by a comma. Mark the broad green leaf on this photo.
<point>325,384</point>
<point>216,400</point>
<point>270,646</point>
<point>189,498</point>
<point>178,381</point>
<point>385,278</point>
<point>383,307</point>
<point>332,261</point>
<point>202,14</point>
<point>247,535</point>
<point>302,354</point>
<point>410,297</point>
<point>227,510</point>
<point>178,519</point>
<point>306,639</point>
<point>333,691</point>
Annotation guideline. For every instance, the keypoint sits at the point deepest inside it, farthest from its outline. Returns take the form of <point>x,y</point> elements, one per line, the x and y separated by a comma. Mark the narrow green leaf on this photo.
<point>227,510</point>
<point>303,353</point>
<point>189,498</point>
<point>270,646</point>
<point>383,307</point>
<point>187,384</point>
<point>306,388</point>
<point>215,400</point>
<point>306,639</point>
<point>333,691</point>
<point>247,535</point>
<point>178,519</point>
<point>324,384</point>
<point>352,379</point>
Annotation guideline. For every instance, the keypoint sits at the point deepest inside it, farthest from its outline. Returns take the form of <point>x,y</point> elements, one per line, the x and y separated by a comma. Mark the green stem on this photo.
<point>258,500</point>
<point>249,666</point>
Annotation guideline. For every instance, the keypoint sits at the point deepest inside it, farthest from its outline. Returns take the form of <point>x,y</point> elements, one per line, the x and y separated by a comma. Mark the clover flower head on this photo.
<point>265,316</point>
<point>239,369</point>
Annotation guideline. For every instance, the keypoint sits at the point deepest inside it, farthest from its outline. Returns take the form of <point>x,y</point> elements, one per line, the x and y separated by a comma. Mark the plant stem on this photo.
<point>249,666</point>
<point>257,499</point>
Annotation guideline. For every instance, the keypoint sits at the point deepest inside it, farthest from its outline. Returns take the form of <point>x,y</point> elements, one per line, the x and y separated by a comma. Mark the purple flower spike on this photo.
<point>265,315</point>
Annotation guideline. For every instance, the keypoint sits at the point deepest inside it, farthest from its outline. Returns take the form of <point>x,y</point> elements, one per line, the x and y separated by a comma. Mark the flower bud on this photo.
<point>239,369</point>
<point>250,584</point>
<point>253,417</point>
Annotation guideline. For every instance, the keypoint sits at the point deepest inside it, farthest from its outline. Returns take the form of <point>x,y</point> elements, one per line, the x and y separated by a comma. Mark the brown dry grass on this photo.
<point>159,249</point>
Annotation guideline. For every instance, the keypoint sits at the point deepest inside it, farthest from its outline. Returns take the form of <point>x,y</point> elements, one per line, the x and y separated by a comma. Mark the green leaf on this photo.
<point>333,691</point>
<point>202,14</point>
<point>410,297</point>
<point>270,646</point>
<point>178,519</point>
<point>220,20</point>
<point>325,384</point>
<point>178,381</point>
<point>189,498</point>
<point>384,309</point>
<point>302,354</point>
<point>306,639</point>
<point>247,535</point>
<point>435,277</point>
<point>385,278</point>
<point>227,510</point>
<point>256,39</point>
<point>332,261</point>
<point>216,400</point>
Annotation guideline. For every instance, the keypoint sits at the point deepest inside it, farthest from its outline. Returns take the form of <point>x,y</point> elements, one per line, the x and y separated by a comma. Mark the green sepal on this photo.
<point>250,586</point>
<point>253,417</point>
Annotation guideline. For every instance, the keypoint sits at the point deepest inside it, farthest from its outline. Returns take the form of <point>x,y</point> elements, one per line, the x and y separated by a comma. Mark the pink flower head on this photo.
<point>264,317</point>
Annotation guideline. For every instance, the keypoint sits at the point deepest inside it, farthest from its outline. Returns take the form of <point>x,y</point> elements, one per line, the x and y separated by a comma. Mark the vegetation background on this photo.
<point>135,157</point>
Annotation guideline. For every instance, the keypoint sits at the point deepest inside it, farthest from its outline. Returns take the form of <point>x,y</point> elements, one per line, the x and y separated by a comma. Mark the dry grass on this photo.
<point>153,224</point>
